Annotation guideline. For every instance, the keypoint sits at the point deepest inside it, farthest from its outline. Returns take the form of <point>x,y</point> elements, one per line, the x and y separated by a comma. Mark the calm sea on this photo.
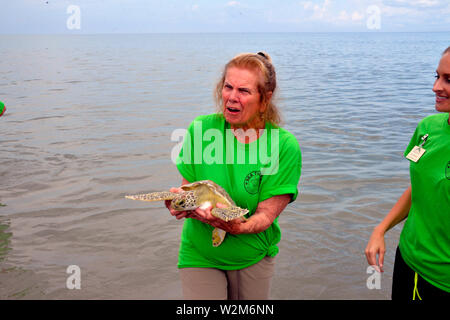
<point>89,119</point>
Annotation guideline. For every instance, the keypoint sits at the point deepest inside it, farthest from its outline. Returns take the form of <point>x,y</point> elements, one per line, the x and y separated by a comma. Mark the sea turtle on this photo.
<point>199,194</point>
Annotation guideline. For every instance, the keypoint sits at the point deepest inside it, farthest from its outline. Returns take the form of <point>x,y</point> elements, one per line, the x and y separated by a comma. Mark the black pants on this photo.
<point>403,284</point>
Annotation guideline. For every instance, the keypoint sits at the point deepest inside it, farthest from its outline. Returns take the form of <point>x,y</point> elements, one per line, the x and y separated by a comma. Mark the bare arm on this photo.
<point>376,243</point>
<point>266,212</point>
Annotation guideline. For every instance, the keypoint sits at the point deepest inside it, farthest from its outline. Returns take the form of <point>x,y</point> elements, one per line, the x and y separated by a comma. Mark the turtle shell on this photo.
<point>208,192</point>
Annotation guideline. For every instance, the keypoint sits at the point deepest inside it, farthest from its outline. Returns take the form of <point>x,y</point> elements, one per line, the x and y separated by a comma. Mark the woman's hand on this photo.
<point>376,246</point>
<point>205,216</point>
<point>177,214</point>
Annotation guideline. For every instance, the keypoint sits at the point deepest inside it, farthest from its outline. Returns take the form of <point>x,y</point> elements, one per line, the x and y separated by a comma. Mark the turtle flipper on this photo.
<point>218,235</point>
<point>154,196</point>
<point>226,214</point>
<point>229,213</point>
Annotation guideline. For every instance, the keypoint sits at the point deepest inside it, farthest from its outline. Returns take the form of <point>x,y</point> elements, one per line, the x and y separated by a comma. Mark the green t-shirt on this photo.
<point>250,173</point>
<point>425,238</point>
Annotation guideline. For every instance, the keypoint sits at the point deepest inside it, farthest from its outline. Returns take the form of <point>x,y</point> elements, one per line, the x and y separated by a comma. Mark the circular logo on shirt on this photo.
<point>447,171</point>
<point>252,181</point>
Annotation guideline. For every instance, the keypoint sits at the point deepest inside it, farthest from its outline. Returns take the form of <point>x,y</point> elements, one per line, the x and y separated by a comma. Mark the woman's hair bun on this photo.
<point>265,55</point>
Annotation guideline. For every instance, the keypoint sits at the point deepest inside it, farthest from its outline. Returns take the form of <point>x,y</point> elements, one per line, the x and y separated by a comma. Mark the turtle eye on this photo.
<point>181,203</point>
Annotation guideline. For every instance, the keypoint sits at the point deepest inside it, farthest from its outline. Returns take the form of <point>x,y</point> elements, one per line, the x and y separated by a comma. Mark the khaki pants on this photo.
<point>251,283</point>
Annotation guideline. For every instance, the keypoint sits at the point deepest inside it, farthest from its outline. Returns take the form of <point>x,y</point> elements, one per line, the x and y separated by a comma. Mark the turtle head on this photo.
<point>185,201</point>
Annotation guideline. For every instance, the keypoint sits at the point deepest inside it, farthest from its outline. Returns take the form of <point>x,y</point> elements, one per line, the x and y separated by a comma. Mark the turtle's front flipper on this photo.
<point>218,235</point>
<point>154,196</point>
<point>229,213</point>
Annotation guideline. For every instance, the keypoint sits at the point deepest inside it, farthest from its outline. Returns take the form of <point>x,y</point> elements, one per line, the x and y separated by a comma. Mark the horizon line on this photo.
<point>214,32</point>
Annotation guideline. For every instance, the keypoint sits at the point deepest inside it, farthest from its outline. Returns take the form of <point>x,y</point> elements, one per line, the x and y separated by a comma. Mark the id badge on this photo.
<point>416,153</point>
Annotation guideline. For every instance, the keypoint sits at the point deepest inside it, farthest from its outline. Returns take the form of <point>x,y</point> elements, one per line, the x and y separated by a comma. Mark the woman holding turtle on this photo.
<point>247,123</point>
<point>422,261</point>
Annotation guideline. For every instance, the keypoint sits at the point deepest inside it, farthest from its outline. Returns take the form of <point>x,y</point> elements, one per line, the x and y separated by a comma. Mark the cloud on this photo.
<point>415,15</point>
<point>390,10</point>
<point>319,12</point>
<point>414,3</point>
<point>331,12</point>
<point>233,4</point>
<point>356,16</point>
<point>307,5</point>
<point>343,15</point>
<point>427,3</point>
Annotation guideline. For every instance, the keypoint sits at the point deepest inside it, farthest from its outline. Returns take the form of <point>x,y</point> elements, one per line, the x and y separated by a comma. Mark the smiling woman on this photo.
<point>442,84</point>
<point>422,261</point>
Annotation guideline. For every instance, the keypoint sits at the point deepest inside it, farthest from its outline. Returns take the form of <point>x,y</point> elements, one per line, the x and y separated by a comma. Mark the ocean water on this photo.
<point>89,119</point>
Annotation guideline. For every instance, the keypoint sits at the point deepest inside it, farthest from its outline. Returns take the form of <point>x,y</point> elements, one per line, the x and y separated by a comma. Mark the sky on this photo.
<point>175,16</point>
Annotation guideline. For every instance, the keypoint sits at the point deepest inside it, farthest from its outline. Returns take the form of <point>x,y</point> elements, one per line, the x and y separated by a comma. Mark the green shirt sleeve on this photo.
<point>286,179</point>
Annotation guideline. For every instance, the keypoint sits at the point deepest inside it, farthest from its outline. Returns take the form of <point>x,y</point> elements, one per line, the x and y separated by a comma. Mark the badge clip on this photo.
<point>424,139</point>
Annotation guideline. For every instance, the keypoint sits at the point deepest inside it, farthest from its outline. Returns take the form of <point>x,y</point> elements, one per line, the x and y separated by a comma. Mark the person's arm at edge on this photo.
<point>376,245</point>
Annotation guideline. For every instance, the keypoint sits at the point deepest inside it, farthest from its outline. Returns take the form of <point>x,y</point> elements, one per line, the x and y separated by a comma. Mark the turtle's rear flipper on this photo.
<point>218,235</point>
<point>229,213</point>
<point>154,196</point>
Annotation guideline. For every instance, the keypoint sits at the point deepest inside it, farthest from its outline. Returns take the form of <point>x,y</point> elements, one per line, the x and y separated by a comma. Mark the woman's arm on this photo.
<point>376,245</point>
<point>265,214</point>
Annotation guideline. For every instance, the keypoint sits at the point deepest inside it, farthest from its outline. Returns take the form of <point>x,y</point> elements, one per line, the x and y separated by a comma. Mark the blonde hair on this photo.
<point>262,63</point>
